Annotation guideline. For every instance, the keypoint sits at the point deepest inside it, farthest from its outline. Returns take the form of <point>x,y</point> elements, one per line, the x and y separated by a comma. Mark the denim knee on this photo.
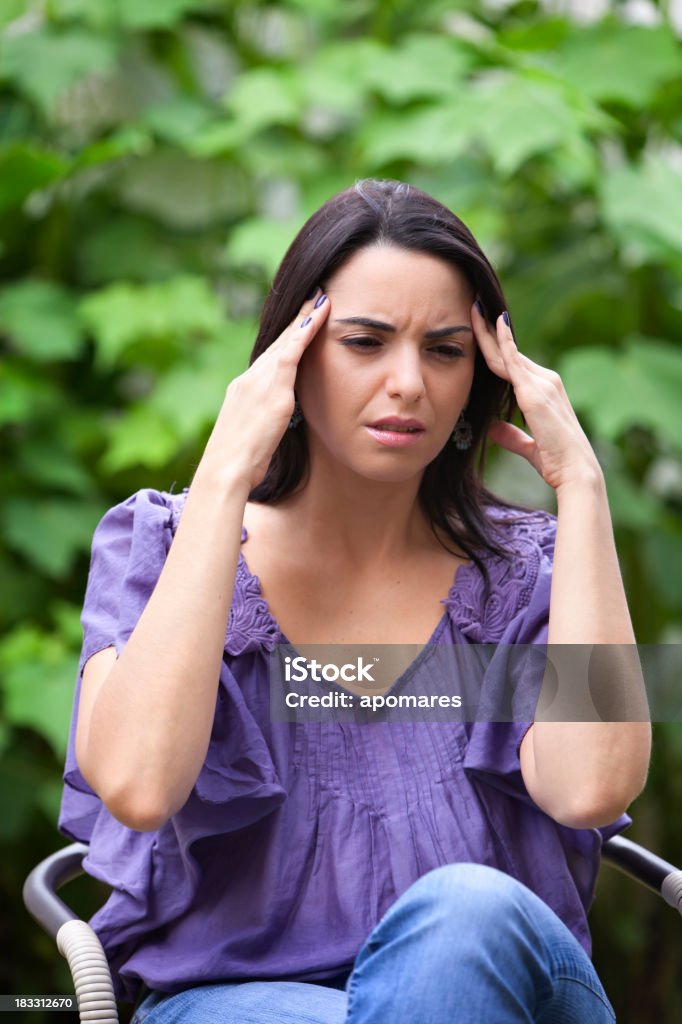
<point>474,895</point>
<point>466,905</point>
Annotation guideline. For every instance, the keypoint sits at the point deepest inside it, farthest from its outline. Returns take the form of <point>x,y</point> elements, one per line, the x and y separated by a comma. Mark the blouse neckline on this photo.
<point>425,650</point>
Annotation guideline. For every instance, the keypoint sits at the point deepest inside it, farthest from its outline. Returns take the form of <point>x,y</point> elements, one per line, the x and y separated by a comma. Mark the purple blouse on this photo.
<point>297,837</point>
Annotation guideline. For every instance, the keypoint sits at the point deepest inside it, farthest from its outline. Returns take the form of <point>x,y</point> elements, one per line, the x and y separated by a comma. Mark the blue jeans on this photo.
<point>465,943</point>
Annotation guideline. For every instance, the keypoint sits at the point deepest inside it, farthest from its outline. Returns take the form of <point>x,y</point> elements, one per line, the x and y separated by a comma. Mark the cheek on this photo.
<point>327,376</point>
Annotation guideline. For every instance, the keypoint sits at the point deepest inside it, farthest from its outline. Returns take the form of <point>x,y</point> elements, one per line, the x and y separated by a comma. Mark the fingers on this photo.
<point>305,324</point>
<point>501,352</point>
<point>307,327</point>
<point>513,439</point>
<point>489,344</point>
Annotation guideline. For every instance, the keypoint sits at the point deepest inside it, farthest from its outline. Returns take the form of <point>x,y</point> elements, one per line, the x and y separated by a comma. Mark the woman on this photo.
<point>325,872</point>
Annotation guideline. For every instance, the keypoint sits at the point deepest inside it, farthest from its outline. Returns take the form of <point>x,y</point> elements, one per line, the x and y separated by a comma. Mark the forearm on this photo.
<point>587,772</point>
<point>152,719</point>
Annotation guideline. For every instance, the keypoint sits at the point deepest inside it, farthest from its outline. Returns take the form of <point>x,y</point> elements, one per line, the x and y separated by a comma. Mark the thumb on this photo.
<point>513,439</point>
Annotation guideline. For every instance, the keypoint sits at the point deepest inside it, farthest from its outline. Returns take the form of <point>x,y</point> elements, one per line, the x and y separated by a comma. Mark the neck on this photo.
<point>360,522</point>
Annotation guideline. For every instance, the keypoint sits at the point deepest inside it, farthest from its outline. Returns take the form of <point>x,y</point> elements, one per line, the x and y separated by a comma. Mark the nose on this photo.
<point>404,378</point>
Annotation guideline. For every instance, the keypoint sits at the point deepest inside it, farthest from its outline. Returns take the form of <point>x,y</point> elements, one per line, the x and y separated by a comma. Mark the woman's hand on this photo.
<point>258,404</point>
<point>559,448</point>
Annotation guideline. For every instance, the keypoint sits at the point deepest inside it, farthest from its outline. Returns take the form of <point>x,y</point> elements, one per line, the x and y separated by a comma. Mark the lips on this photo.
<point>397,424</point>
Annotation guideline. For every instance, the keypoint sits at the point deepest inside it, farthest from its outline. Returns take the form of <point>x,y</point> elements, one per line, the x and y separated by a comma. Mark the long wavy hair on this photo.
<point>387,212</point>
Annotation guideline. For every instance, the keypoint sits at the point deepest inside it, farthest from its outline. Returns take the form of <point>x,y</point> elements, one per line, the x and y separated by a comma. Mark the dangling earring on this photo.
<point>296,416</point>
<point>462,435</point>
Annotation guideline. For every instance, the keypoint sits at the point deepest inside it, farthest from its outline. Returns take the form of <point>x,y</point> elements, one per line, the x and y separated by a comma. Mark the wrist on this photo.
<point>588,481</point>
<point>222,482</point>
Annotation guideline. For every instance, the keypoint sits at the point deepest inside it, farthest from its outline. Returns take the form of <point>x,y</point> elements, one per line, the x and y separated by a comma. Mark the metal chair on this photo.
<point>79,944</point>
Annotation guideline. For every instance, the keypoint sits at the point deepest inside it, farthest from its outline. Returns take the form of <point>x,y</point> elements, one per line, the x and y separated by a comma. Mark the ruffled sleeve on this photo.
<point>154,876</point>
<point>129,548</point>
<point>517,613</point>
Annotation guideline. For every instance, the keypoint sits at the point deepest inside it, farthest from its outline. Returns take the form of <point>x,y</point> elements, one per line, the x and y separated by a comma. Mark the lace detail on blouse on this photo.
<point>528,537</point>
<point>250,626</point>
<point>528,540</point>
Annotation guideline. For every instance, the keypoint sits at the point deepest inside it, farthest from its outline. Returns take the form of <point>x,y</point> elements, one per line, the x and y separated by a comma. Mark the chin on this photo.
<point>389,474</point>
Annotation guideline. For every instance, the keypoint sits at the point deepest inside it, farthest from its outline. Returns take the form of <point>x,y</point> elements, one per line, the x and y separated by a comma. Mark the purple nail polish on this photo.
<point>322,298</point>
<point>479,307</point>
<point>505,317</point>
<point>304,323</point>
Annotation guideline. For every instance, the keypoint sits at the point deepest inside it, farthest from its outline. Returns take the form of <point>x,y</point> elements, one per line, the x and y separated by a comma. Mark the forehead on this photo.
<point>403,277</point>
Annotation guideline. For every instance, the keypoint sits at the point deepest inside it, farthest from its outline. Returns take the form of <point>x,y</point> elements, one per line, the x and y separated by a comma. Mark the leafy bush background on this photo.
<point>155,161</point>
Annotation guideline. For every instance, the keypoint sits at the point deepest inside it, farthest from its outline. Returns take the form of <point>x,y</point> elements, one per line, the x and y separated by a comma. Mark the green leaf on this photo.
<point>421,67</point>
<point>612,61</point>
<point>179,119</point>
<point>25,167</point>
<point>67,620</point>
<point>221,138</point>
<point>25,396</point>
<point>41,321</point>
<point>50,533</point>
<point>12,9</point>
<point>140,438</point>
<point>520,115</point>
<point>182,192</point>
<point>262,242</point>
<point>663,551</point>
<point>148,14</point>
<point>100,14</point>
<point>265,97</point>
<point>190,397</point>
<point>643,206</point>
<point>46,461</point>
<point>644,385</point>
<point>429,136</point>
<point>122,314</point>
<point>630,505</point>
<point>549,286</point>
<point>130,140</point>
<point>44,63</point>
<point>127,248</point>
<point>337,78</point>
<point>39,673</point>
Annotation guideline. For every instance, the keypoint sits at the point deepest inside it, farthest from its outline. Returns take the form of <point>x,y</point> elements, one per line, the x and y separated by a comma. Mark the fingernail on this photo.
<point>304,323</point>
<point>479,307</point>
<point>505,317</point>
<point>311,294</point>
<point>319,302</point>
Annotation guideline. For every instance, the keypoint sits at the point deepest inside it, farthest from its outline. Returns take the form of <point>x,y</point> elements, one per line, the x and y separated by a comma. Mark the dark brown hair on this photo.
<point>387,212</point>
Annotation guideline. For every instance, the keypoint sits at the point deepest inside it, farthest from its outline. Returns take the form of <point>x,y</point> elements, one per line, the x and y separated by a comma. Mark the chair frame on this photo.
<point>90,970</point>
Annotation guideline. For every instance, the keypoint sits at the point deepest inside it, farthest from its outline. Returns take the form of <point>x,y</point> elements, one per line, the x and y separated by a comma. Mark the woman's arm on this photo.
<point>144,722</point>
<point>582,773</point>
<point>586,774</point>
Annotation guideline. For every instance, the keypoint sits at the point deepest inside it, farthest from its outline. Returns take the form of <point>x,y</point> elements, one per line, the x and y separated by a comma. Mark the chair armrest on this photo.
<point>40,888</point>
<point>646,867</point>
<point>76,940</point>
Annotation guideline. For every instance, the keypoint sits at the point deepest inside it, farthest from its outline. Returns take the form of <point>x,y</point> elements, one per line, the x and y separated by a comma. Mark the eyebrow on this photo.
<point>379,325</point>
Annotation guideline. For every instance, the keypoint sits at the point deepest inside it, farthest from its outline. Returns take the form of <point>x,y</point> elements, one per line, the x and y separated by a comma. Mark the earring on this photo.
<point>462,435</point>
<point>296,416</point>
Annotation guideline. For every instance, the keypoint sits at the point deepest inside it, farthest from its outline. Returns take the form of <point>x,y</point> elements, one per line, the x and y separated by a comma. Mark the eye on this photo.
<point>364,342</point>
<point>448,351</point>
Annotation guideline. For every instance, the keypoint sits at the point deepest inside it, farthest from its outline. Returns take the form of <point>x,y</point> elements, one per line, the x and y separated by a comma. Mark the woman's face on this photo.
<point>353,376</point>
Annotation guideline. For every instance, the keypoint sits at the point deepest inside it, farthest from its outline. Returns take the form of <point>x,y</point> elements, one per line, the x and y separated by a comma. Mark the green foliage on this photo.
<point>156,159</point>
